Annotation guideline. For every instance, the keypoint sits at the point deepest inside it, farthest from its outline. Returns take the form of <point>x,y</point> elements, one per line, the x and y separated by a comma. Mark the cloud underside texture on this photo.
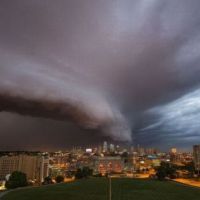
<point>126,70</point>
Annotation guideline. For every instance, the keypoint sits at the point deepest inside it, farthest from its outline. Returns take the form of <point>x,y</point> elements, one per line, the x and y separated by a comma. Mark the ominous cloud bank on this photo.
<point>124,69</point>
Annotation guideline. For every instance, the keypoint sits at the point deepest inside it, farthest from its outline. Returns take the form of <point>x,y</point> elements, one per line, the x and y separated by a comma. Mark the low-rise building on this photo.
<point>109,164</point>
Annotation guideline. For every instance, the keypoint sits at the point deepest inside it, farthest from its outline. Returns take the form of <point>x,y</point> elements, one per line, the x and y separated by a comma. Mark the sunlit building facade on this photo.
<point>35,167</point>
<point>196,154</point>
<point>109,164</point>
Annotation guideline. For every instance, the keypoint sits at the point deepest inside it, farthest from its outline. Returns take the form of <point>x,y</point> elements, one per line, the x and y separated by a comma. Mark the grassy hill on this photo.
<point>97,189</point>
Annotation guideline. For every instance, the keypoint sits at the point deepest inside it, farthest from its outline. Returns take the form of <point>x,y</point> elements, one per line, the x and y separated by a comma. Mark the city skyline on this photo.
<point>77,73</point>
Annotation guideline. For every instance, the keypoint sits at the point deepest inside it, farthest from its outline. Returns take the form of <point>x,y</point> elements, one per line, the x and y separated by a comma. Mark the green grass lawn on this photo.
<point>97,189</point>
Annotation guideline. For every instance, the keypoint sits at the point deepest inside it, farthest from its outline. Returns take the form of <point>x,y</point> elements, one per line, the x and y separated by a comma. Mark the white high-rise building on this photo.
<point>112,148</point>
<point>105,147</point>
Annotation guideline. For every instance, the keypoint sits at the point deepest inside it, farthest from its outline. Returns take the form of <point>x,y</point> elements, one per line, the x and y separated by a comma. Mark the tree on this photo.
<point>165,170</point>
<point>17,179</point>
<point>98,175</point>
<point>47,180</point>
<point>78,174</point>
<point>125,156</point>
<point>85,172</point>
<point>190,168</point>
<point>161,173</point>
<point>59,179</point>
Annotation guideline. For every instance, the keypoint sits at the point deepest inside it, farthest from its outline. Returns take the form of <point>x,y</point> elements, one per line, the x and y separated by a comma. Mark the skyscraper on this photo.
<point>173,150</point>
<point>105,147</point>
<point>196,154</point>
<point>112,148</point>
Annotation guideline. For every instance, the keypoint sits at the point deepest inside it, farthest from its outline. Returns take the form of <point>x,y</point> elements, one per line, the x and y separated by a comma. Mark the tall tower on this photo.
<point>112,148</point>
<point>105,147</point>
<point>196,153</point>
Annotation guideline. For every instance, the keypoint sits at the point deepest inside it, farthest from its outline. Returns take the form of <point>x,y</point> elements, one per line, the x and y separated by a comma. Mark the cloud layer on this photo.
<point>119,68</point>
<point>177,120</point>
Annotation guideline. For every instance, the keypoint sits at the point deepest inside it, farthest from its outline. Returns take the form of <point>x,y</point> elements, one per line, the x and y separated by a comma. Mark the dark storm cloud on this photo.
<point>102,64</point>
<point>177,120</point>
<point>43,134</point>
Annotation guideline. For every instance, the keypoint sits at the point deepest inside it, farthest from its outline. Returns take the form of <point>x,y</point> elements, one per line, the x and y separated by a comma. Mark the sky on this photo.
<point>76,72</point>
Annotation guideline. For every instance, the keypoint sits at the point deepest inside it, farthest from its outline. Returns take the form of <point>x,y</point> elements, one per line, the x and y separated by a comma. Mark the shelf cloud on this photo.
<point>127,70</point>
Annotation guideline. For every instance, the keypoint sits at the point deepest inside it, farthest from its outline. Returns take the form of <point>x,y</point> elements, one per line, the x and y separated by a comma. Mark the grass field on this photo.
<point>97,189</point>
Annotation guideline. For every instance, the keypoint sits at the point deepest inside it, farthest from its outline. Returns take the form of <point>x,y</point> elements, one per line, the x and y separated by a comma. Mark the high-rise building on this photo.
<point>112,148</point>
<point>173,150</point>
<point>35,167</point>
<point>99,149</point>
<point>174,157</point>
<point>105,147</point>
<point>196,154</point>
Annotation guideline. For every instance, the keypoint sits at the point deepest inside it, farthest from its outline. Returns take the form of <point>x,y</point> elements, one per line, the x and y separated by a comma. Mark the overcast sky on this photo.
<point>76,72</point>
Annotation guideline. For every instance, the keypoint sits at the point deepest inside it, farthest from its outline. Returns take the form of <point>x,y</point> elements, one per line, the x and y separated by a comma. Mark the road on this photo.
<point>188,182</point>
